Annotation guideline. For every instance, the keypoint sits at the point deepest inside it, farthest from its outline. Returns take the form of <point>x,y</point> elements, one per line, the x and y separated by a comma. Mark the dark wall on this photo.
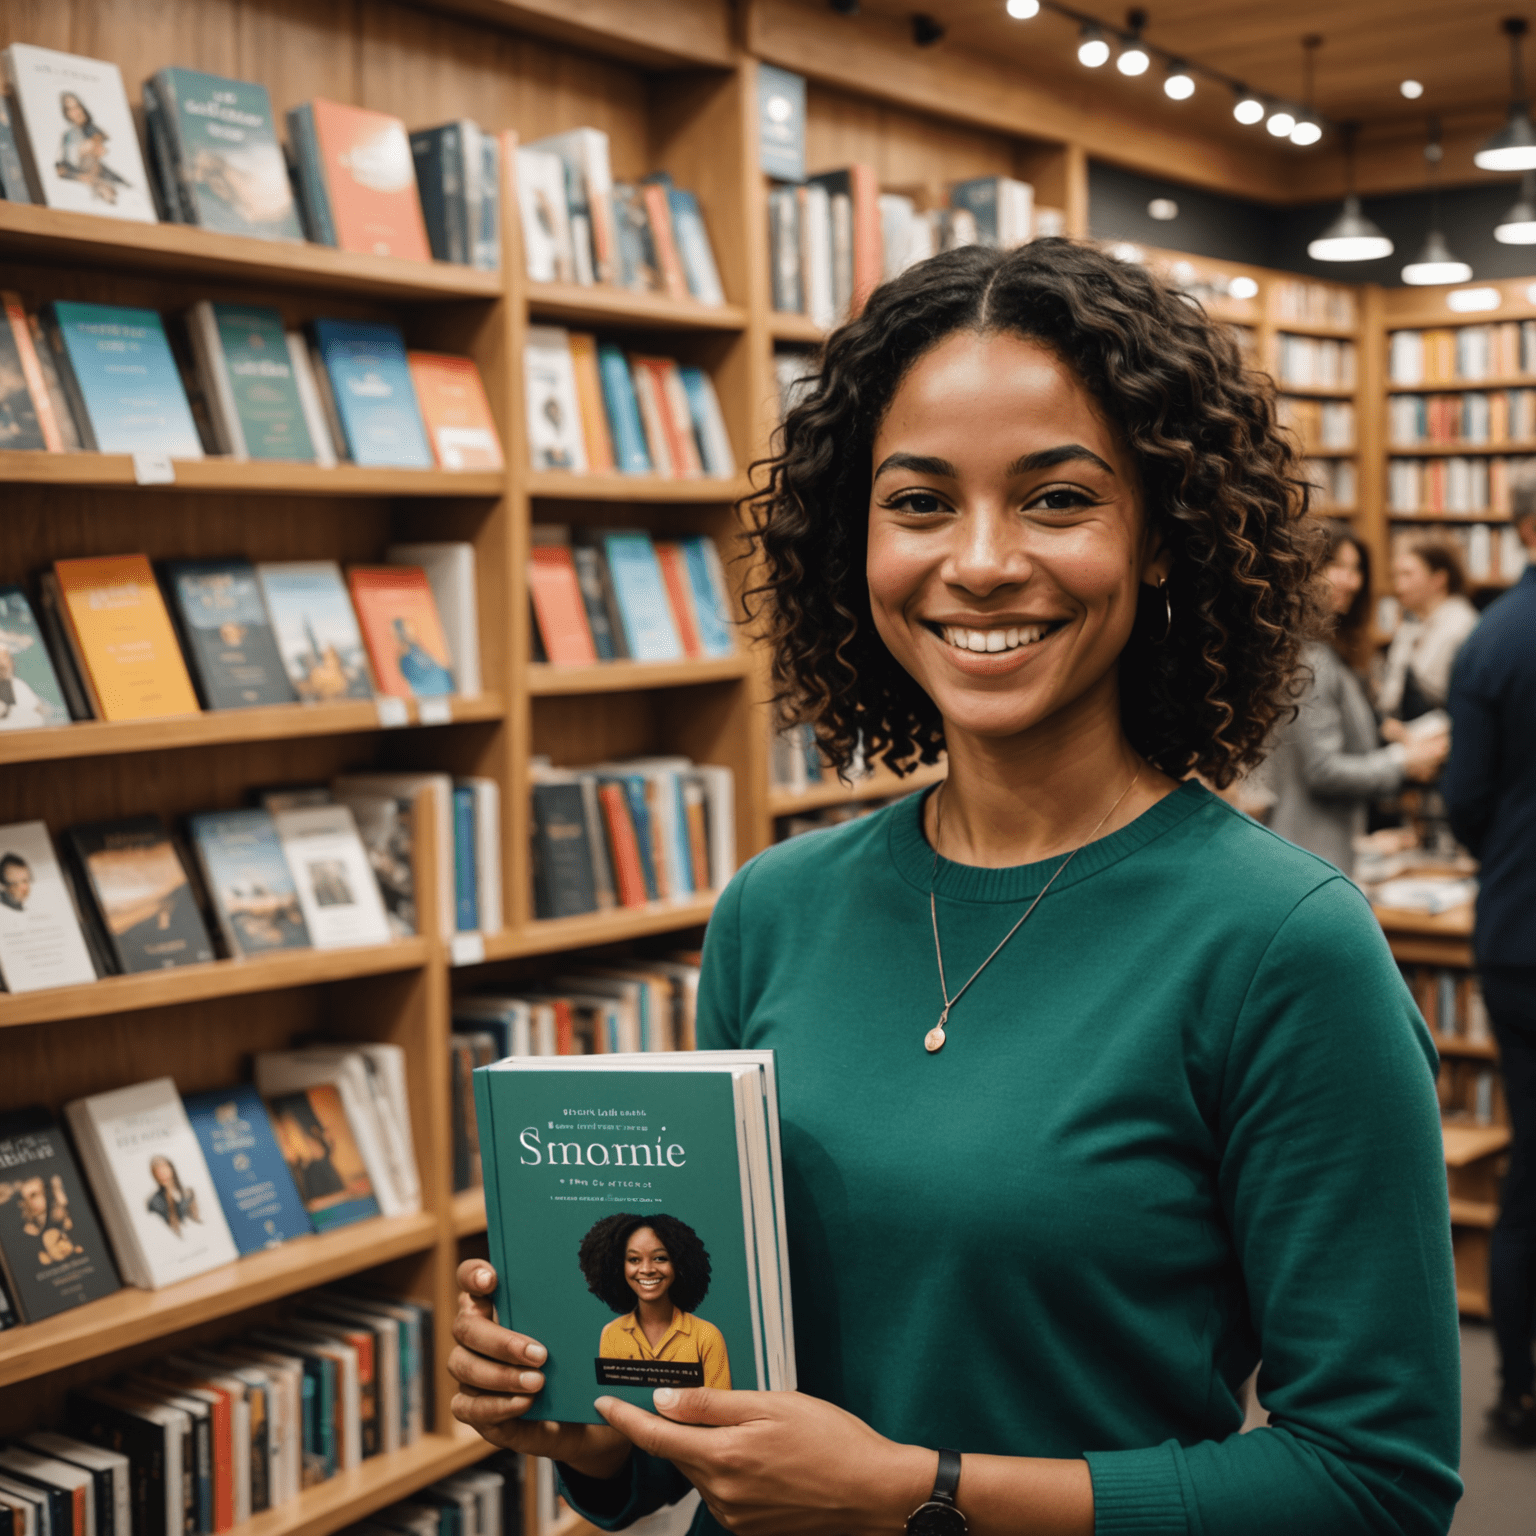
<point>1236,229</point>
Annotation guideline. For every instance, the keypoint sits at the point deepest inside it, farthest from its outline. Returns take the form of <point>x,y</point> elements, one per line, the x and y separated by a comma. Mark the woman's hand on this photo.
<point>498,1374</point>
<point>1424,755</point>
<point>1392,729</point>
<point>772,1462</point>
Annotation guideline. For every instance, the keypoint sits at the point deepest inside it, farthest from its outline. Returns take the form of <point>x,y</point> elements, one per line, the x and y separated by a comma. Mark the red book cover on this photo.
<point>398,616</point>
<point>674,573</point>
<point>868,248</point>
<point>558,606</point>
<point>455,410</point>
<point>682,447</point>
<point>628,876</point>
<point>371,177</point>
<point>659,211</point>
<point>565,1027</point>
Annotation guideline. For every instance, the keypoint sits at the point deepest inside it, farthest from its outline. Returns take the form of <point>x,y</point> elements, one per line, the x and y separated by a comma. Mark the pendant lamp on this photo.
<point>1435,263</point>
<point>1518,226</point>
<point>1351,236</point>
<point>1513,147</point>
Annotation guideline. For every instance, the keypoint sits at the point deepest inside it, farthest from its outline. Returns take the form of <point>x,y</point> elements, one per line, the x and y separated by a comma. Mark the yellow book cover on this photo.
<point>124,637</point>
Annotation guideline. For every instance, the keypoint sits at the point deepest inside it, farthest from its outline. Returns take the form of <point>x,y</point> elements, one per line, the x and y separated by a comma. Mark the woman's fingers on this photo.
<point>475,1370</point>
<point>477,1277</point>
<point>488,1410</point>
<point>477,1332</point>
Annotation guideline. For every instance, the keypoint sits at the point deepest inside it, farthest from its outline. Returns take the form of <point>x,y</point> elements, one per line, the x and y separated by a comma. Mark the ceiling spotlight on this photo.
<point>1518,226</point>
<point>1092,50</point>
<point>1281,122</point>
<point>1248,109</point>
<point>1023,10</point>
<point>1180,84</point>
<point>1163,209</point>
<point>1243,288</point>
<point>1411,89</point>
<point>1513,147</point>
<point>1306,132</point>
<point>1306,129</point>
<point>1133,59</point>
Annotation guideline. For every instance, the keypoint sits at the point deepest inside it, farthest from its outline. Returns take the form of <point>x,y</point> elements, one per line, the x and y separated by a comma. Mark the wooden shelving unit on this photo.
<point>882,784</point>
<point>244,477</point>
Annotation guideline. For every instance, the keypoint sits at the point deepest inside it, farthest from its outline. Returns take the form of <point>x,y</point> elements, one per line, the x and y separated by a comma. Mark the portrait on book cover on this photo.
<point>171,1200</point>
<point>316,1140</point>
<point>654,1271</point>
<point>23,706</point>
<point>83,151</point>
<point>41,1206</point>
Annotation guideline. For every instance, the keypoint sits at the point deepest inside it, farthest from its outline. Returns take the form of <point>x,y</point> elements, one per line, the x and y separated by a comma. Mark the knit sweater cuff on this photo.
<point>1139,1493</point>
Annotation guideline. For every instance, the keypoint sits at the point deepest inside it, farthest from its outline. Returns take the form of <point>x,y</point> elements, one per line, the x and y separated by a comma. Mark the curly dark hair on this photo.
<point>602,1260</point>
<point>1221,483</point>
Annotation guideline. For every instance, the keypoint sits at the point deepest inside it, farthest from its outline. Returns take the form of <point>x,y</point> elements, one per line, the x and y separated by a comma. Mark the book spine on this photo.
<point>164,183</point>
<point>320,439</point>
<point>623,845</point>
<point>334,424</point>
<point>213,366</point>
<point>602,869</point>
<point>629,444</point>
<point>67,380</point>
<point>66,664</point>
<point>466,892</point>
<point>645,837</point>
<point>488,242</point>
<point>693,247</point>
<point>658,210</point>
<point>648,397</point>
<point>313,198</point>
<point>69,428</point>
<point>32,372</point>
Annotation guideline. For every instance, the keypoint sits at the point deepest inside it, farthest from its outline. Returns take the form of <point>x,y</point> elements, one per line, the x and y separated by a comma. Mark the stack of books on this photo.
<point>483,1501</point>
<point>1442,356</point>
<point>1313,362</point>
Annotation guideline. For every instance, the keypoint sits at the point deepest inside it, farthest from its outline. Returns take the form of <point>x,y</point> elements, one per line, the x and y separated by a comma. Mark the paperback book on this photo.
<point>316,629</point>
<point>20,427</point>
<point>253,397</point>
<point>365,368</point>
<point>317,1143</point>
<point>336,889</point>
<point>554,415</point>
<point>450,569</point>
<point>41,943</point>
<point>226,634</point>
<point>457,414</point>
<point>249,884</point>
<point>30,695</point>
<point>400,623</point>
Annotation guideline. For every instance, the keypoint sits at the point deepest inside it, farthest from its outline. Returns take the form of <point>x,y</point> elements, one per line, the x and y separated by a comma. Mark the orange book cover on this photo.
<point>623,846</point>
<point>698,842</point>
<point>371,177</point>
<point>458,416</point>
<point>682,446</point>
<point>674,573</point>
<point>402,630</point>
<point>589,395</point>
<point>32,372</point>
<point>659,211</point>
<point>558,606</point>
<point>125,638</point>
<point>868,248</point>
<point>565,1027</point>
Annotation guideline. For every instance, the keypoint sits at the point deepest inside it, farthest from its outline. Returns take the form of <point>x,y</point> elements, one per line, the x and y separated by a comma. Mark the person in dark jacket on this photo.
<point>1490,794</point>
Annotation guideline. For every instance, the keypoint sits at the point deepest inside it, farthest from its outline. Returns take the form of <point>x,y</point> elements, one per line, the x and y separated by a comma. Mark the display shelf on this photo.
<point>604,305</point>
<point>1327,332</point>
<point>275,722</point>
<point>468,1213</point>
<point>1467,1143</point>
<point>562,485</point>
<point>217,978</point>
<point>249,477</point>
<point>1455,1045</point>
<point>551,936</point>
<point>1457,450</point>
<point>877,786</point>
<point>545,680</point>
<point>1474,1213</point>
<point>1494,518</point>
<point>132,1316</point>
<point>1318,391</point>
<point>1460,386</point>
<point>83,239</point>
<point>783,326</point>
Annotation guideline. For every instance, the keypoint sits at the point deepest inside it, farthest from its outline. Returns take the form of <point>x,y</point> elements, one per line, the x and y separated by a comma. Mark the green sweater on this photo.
<point>1186,1119</point>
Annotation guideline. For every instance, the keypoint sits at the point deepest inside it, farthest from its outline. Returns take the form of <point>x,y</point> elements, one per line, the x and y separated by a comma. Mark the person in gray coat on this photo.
<point>1329,762</point>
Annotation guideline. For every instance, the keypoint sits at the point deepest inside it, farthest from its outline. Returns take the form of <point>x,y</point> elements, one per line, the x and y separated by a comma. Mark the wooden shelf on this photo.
<point>877,786</point>
<point>197,983</point>
<point>1458,450</point>
<point>1318,391</point>
<point>59,238</point>
<point>1473,1213</point>
<point>1468,1143</point>
<point>561,485</point>
<point>545,681</point>
<point>132,1316</point>
<point>1472,1303</point>
<point>1495,518</point>
<point>1309,452</point>
<point>555,935</point>
<point>1455,924</point>
<point>1460,386</point>
<point>468,1213</point>
<point>249,477</point>
<point>604,305</point>
<point>783,326</point>
<point>276,722</point>
<point>1455,1045</point>
<point>1328,332</point>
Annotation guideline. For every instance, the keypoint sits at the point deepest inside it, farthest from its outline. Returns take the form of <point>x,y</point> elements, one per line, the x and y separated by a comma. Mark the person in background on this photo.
<point>1329,762</point>
<point>1431,585</point>
<point>1490,794</point>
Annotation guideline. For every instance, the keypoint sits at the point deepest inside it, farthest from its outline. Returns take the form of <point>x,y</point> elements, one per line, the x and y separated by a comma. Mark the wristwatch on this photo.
<point>940,1516</point>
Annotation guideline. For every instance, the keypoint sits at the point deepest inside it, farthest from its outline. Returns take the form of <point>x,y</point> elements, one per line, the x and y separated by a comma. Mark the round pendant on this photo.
<point>934,1039</point>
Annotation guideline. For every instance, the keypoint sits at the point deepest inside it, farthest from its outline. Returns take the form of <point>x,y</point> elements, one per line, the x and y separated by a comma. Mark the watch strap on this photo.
<point>947,1483</point>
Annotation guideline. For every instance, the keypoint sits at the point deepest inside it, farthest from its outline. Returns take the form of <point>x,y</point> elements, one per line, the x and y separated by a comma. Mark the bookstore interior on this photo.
<point>385,705</point>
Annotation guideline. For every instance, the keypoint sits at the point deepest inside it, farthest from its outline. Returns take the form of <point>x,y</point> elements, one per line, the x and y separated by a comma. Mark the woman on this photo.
<point>1329,763</point>
<point>1093,1091</point>
<point>655,1271</point>
<point>172,1203</point>
<point>1430,584</point>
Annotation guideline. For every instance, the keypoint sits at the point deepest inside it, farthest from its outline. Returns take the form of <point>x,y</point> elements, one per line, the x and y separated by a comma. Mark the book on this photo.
<point>1002,206</point>
<point>649,632</point>
<point>711,598</point>
<point>110,1472</point>
<point>405,639</point>
<point>780,123</point>
<point>20,428</point>
<point>589,194</point>
<point>693,247</point>
<point>674,573</point>
<point>41,942</point>
<point>124,638</point>
<point>485,247</point>
<point>336,889</point>
<point>30,695</point>
<point>227,638</point>
<point>249,884</point>
<point>370,381</point>
<point>450,571</point>
<point>318,1144</point>
<point>121,377</point>
<point>669,261</point>
<point>242,358</point>
<point>601,605</point>
<point>541,205</point>
<point>708,422</point>
<point>157,1199</point>
<point>52,1250</point>
<point>70,1490</point>
<point>554,414</point>
<point>668,419</point>
<point>13,174</point>
<point>441,159</point>
<point>857,255</point>
<point>384,824</point>
<point>558,606</point>
<point>562,857</point>
<point>254,1184</point>
<point>225,169</point>
<point>410,787</point>
<point>151,1436</point>
<point>316,629</point>
<point>40,377</point>
<point>485,806</point>
<point>302,365</point>
<point>458,417</point>
<point>630,449</point>
<point>466,889</point>
<point>140,893</point>
<point>75,132</point>
<point>638,268</point>
<point>703,1127</point>
<point>49,613</point>
<point>785,277</point>
<point>596,436</point>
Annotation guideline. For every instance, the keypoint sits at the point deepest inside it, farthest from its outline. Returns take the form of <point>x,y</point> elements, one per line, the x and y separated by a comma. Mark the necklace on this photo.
<point>933,1041</point>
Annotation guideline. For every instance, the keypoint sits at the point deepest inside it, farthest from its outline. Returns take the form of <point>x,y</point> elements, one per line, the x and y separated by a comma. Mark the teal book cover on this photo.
<point>30,695</point>
<point>248,882</point>
<point>259,374</point>
<point>375,399</point>
<point>621,1230</point>
<point>644,607</point>
<point>629,445</point>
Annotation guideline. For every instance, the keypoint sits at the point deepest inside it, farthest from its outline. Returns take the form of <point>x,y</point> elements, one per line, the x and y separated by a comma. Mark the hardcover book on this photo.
<point>316,629</point>
<point>321,1151</point>
<point>562,856</point>
<point>404,635</point>
<point>448,185</point>
<point>76,134</point>
<point>30,695</point>
<point>246,1165</point>
<point>143,899</point>
<point>41,943</point>
<point>53,1251</point>
<point>242,355</point>
<point>370,382</point>
<point>337,892</point>
<point>649,633</point>
<point>457,414</point>
<point>249,884</point>
<point>554,413</point>
<point>227,635</point>
<point>635,1219</point>
<point>781,123</point>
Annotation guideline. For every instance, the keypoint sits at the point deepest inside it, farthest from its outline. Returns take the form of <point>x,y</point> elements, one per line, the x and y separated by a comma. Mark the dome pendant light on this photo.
<point>1351,236</point>
<point>1513,147</point>
<point>1518,226</point>
<point>1435,264</point>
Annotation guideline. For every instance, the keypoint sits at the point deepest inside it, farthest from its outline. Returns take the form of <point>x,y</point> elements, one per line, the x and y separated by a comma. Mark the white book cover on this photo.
<point>96,1458</point>
<point>816,256</point>
<point>450,572</point>
<point>80,145</point>
<point>337,890</point>
<point>407,786</point>
<point>309,400</point>
<point>584,152</point>
<point>554,411</point>
<point>166,1208</point>
<point>41,943</point>
<point>545,218</point>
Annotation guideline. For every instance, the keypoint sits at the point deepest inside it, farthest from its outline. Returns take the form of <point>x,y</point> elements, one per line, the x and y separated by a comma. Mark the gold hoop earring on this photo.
<point>1162,587</point>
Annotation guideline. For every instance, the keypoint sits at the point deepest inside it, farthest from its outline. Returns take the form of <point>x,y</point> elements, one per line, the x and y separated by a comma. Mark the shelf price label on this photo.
<point>392,712</point>
<point>466,948</point>
<point>438,711</point>
<point>153,469</point>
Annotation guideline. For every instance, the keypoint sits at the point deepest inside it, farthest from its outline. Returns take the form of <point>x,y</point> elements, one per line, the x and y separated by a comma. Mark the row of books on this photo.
<point>68,140</point>
<point>1334,483</point>
<point>1442,356</point>
<point>1320,424</point>
<point>1303,303</point>
<point>581,226</point>
<point>1492,555</point>
<point>1314,362</point>
<point>229,380</point>
<point>1469,416</point>
<point>1471,1092</point>
<point>1451,1002</point>
<point>1453,484</point>
<point>110,638</point>
<point>593,409</point>
<point>148,1188</point>
<point>794,759</point>
<point>627,833</point>
<point>484,1500</point>
<point>617,594</point>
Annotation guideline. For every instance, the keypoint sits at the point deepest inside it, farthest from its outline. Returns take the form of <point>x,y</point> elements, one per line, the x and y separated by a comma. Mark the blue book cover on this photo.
<point>709,609</point>
<point>440,184</point>
<point>255,1187</point>
<point>780,123</point>
<point>119,366</point>
<point>649,630</point>
<point>465,884</point>
<point>375,399</point>
<point>630,452</point>
<point>226,634</point>
<point>248,881</point>
<point>695,880</point>
<point>693,247</point>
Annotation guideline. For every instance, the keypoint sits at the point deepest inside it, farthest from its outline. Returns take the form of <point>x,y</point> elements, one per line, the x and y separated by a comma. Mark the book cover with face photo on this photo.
<point>226,634</point>
<point>53,1251</point>
<point>249,884</point>
<point>41,942</point>
<point>19,424</point>
<point>320,1148</point>
<point>337,892</point>
<point>29,687</point>
<point>635,1221</point>
<point>316,630</point>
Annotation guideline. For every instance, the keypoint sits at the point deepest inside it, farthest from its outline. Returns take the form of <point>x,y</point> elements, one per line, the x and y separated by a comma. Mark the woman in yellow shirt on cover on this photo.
<point>655,1271</point>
